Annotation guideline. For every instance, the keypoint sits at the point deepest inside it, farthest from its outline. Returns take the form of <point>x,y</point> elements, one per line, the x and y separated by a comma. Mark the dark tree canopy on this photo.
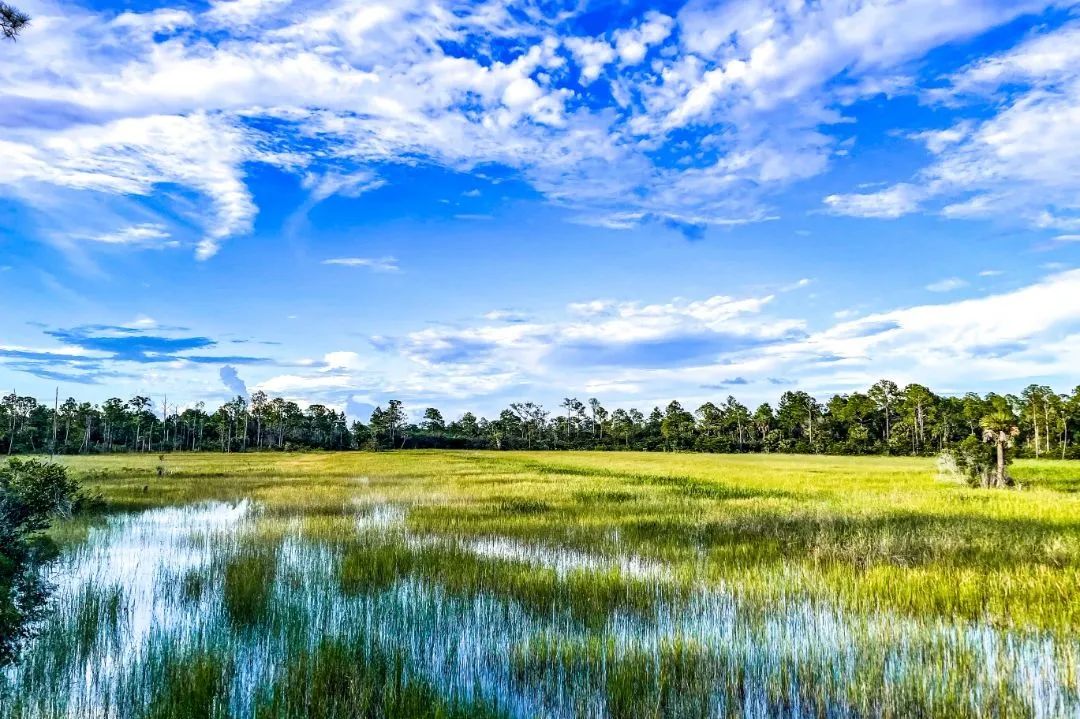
<point>886,419</point>
<point>12,20</point>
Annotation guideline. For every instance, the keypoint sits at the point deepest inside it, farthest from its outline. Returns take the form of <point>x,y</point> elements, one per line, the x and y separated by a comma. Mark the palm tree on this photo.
<point>1000,428</point>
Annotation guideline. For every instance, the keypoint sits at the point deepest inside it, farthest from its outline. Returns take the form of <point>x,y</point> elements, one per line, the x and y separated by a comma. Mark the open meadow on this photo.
<point>515,584</point>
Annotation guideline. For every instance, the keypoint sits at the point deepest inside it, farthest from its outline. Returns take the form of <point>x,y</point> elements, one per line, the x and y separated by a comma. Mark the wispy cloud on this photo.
<point>380,264</point>
<point>1018,162</point>
<point>149,234</point>
<point>948,284</point>
<point>89,353</point>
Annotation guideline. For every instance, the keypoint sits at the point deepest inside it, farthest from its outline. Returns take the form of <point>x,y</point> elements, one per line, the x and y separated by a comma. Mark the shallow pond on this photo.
<point>222,610</point>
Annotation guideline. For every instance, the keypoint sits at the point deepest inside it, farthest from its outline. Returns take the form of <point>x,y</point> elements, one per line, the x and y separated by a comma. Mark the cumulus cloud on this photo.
<point>692,349</point>
<point>231,379</point>
<point>150,100</point>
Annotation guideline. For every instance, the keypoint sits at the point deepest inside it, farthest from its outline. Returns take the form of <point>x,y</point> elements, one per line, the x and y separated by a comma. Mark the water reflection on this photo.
<point>158,583</point>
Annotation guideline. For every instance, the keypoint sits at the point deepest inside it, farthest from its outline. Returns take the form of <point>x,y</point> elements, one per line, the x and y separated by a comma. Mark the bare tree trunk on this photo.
<point>1000,463</point>
<point>1065,438</point>
<point>55,417</point>
<point>887,426</point>
<point>1035,421</point>
<point>1046,423</point>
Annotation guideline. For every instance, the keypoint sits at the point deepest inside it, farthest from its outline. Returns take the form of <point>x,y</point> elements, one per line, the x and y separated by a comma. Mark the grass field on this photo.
<point>560,584</point>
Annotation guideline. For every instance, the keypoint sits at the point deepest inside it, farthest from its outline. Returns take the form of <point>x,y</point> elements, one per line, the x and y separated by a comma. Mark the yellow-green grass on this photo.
<point>454,584</point>
<point>868,533</point>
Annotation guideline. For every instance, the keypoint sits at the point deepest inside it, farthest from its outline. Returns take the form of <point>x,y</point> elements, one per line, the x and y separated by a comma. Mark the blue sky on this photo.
<point>472,203</point>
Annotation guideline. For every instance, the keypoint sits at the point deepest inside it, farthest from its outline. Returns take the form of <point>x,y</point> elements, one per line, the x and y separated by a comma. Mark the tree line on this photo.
<point>886,419</point>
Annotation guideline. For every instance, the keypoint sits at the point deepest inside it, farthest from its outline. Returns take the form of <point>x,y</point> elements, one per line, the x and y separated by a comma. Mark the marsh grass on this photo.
<point>97,615</point>
<point>186,685</point>
<point>454,584</point>
<point>588,596</point>
<point>340,679</point>
<point>863,532</point>
<point>248,578</point>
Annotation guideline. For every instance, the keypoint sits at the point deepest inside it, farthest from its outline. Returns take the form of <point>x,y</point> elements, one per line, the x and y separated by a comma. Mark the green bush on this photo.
<point>974,460</point>
<point>32,493</point>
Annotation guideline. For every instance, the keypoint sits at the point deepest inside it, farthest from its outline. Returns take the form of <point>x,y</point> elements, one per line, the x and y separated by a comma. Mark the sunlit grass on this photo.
<point>620,585</point>
<point>864,531</point>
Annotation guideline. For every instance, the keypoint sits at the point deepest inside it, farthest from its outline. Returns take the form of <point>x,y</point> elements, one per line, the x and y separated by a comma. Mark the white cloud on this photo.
<point>1022,163</point>
<point>130,104</point>
<point>506,316</point>
<point>146,234</point>
<point>592,55</point>
<point>134,156</point>
<point>344,360</point>
<point>346,185</point>
<point>886,204</point>
<point>142,322</point>
<point>592,308</point>
<point>1043,59</point>
<point>632,44</point>
<point>769,54</point>
<point>640,353</point>
<point>1067,238</point>
<point>1008,337</point>
<point>294,385</point>
<point>947,285</point>
<point>996,337</point>
<point>380,264</point>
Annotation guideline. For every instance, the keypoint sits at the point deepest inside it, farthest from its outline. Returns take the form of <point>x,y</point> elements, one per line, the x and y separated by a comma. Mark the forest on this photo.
<point>886,419</point>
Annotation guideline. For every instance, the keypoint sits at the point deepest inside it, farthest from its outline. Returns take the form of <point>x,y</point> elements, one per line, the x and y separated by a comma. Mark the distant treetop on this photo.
<point>12,20</point>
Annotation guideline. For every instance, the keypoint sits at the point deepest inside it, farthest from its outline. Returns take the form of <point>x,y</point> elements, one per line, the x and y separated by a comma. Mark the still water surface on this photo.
<point>148,585</point>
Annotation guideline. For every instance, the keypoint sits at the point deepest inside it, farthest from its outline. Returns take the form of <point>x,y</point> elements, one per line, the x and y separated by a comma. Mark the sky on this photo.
<point>466,204</point>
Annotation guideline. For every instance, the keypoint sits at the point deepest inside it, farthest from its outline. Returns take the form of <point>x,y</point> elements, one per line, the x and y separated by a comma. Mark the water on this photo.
<point>148,589</point>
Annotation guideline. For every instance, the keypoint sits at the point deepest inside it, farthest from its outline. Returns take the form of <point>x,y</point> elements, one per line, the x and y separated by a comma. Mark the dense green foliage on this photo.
<point>32,493</point>
<point>887,419</point>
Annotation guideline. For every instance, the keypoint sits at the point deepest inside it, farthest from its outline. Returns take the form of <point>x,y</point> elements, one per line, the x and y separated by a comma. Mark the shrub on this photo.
<point>32,493</point>
<point>973,459</point>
